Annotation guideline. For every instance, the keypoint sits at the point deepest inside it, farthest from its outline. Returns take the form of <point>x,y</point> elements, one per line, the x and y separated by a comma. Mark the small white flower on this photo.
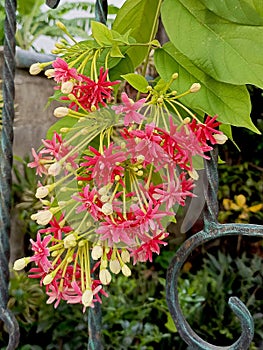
<point>107,209</point>
<point>105,277</point>
<point>195,87</point>
<point>126,270</point>
<point>70,241</point>
<point>61,112</point>
<point>42,217</point>
<point>67,87</point>
<point>96,252</point>
<point>35,68</point>
<point>54,169</point>
<point>87,298</point>
<point>220,138</point>
<point>42,192</point>
<point>20,264</point>
<point>115,266</point>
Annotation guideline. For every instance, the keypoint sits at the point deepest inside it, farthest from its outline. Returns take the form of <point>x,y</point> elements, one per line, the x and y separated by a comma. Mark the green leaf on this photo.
<point>101,33</point>
<point>65,122</point>
<point>170,324</point>
<point>238,11</point>
<point>141,19</point>
<point>226,51</point>
<point>137,81</point>
<point>231,103</point>
<point>25,7</point>
<point>116,52</point>
<point>123,67</point>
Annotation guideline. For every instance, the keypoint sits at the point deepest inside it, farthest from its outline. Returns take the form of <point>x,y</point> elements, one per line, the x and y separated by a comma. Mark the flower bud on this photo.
<point>115,266</point>
<point>42,192</point>
<point>21,263</point>
<point>54,169</point>
<point>35,68</point>
<point>50,73</point>
<point>126,270</point>
<point>42,217</point>
<point>48,279</point>
<point>67,87</point>
<point>70,241</point>
<point>220,138</point>
<point>61,112</point>
<point>105,277</point>
<point>87,298</point>
<point>193,174</point>
<point>125,255</point>
<point>61,26</point>
<point>96,252</point>
<point>107,209</point>
<point>195,87</point>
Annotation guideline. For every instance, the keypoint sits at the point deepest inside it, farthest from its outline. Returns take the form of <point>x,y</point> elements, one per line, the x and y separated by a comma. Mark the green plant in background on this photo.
<point>33,21</point>
<point>240,193</point>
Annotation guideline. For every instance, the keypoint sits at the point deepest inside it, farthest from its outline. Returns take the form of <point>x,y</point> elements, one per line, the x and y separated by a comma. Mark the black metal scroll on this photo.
<point>6,159</point>
<point>212,230</point>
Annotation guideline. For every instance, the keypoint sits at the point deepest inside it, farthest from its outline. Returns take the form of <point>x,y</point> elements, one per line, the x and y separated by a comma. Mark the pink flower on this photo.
<point>204,132</point>
<point>144,252</point>
<point>90,202</point>
<point>117,231</point>
<point>176,191</point>
<point>56,229</point>
<point>103,166</point>
<point>63,73</point>
<point>39,163</point>
<point>41,252</point>
<point>130,108</point>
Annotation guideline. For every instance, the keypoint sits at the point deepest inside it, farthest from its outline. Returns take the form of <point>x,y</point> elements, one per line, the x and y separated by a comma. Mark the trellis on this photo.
<point>212,229</point>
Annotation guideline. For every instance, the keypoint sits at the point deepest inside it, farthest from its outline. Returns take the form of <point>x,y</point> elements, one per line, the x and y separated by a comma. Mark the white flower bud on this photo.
<point>54,169</point>
<point>67,87</point>
<point>70,241</point>
<point>105,277</point>
<point>87,298</point>
<point>126,270</point>
<point>61,112</point>
<point>96,252</point>
<point>50,73</point>
<point>35,68</point>
<point>115,266</point>
<point>20,264</point>
<point>195,87</point>
<point>140,158</point>
<point>42,217</point>
<point>48,279</point>
<point>193,174</point>
<point>107,209</point>
<point>125,255</point>
<point>104,198</point>
<point>42,192</point>
<point>220,138</point>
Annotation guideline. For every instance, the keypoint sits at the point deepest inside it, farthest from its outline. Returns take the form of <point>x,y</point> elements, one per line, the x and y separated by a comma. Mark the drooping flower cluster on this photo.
<point>112,182</point>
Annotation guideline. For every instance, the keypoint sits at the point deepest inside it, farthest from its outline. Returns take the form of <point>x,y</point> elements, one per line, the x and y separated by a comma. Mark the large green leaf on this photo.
<point>238,11</point>
<point>25,7</point>
<point>231,103</point>
<point>140,17</point>
<point>227,51</point>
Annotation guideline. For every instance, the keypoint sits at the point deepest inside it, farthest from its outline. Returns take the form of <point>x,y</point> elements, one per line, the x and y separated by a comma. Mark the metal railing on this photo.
<point>212,229</point>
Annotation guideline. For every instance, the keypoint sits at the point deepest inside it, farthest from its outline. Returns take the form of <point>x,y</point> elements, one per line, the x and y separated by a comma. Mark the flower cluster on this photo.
<point>111,183</point>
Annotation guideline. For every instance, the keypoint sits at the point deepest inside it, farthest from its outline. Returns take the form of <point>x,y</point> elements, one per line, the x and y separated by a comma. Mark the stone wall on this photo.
<point>32,118</point>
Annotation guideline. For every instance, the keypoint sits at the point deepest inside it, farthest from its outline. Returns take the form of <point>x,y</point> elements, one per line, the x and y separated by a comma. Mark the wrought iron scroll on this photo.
<point>6,160</point>
<point>212,230</point>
